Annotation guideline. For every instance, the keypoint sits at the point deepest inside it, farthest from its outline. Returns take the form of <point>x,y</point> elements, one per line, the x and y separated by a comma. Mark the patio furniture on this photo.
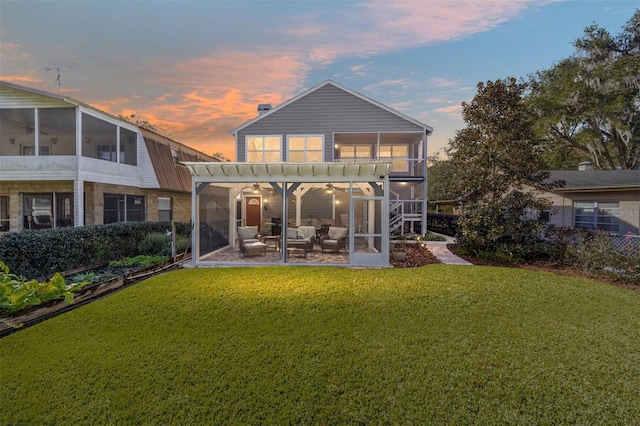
<point>272,241</point>
<point>297,252</point>
<point>301,237</point>
<point>335,239</point>
<point>250,249</point>
<point>247,235</point>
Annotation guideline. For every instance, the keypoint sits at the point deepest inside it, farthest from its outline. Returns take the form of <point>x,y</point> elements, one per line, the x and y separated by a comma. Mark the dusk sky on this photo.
<point>197,69</point>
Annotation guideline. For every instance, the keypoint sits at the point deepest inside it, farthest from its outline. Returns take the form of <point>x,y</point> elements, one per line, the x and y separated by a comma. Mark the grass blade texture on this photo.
<point>313,345</point>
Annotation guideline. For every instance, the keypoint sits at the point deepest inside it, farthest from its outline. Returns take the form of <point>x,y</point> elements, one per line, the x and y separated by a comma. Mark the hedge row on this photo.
<point>37,254</point>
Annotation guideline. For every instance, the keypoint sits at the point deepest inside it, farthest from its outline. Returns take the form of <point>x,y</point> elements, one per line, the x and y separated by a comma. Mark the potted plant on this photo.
<point>399,251</point>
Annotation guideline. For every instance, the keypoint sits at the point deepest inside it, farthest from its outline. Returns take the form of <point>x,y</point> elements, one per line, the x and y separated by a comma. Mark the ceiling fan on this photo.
<point>29,128</point>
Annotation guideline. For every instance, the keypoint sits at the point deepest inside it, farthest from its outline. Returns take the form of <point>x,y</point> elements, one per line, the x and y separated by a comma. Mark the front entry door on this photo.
<point>252,211</point>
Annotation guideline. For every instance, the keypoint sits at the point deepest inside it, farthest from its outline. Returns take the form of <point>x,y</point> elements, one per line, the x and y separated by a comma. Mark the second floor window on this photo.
<point>354,152</point>
<point>264,149</point>
<point>305,148</point>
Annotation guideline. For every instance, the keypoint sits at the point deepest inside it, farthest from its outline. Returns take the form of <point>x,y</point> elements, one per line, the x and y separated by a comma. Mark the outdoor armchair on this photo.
<point>335,239</point>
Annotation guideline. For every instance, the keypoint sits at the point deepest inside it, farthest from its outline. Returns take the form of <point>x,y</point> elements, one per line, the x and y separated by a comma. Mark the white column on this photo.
<point>424,184</point>
<point>78,202</point>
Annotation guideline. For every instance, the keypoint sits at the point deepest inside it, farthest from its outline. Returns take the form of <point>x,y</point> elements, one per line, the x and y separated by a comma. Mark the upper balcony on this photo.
<point>405,151</point>
<point>64,143</point>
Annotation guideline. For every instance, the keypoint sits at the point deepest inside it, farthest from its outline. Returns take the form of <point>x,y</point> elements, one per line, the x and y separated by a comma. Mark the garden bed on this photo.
<point>111,279</point>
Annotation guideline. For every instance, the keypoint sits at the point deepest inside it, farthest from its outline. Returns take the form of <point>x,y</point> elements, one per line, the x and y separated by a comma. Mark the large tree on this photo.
<point>498,172</point>
<point>588,106</point>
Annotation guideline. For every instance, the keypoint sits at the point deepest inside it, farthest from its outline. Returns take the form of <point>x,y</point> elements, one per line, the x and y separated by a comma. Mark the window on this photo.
<point>398,156</point>
<point>305,148</point>
<point>175,155</point>
<point>4,213</point>
<point>37,211</point>
<point>27,150</point>
<point>164,209</point>
<point>597,215</point>
<point>354,152</point>
<point>124,208</point>
<point>264,149</point>
<point>107,152</point>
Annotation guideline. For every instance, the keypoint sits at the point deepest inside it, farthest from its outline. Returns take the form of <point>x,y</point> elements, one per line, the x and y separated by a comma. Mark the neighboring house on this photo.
<point>65,163</point>
<point>329,157</point>
<point>608,200</point>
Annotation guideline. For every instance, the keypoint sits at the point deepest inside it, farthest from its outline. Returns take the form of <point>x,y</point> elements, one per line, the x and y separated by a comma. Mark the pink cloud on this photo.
<point>212,95</point>
<point>454,111</point>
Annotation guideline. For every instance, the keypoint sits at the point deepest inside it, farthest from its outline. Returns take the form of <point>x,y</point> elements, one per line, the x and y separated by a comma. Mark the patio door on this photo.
<point>252,211</point>
<point>366,241</point>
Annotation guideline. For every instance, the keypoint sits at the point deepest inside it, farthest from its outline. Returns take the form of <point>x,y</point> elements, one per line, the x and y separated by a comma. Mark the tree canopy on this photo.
<point>498,171</point>
<point>588,106</point>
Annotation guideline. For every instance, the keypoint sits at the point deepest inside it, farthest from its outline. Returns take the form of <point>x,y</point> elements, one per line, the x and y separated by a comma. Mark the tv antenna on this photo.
<point>58,81</point>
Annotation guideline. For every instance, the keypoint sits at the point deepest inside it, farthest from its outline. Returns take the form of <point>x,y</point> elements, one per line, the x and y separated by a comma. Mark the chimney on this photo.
<point>585,165</point>
<point>262,108</point>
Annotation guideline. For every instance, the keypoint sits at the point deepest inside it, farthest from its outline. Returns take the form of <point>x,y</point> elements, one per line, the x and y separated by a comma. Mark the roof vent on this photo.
<point>585,165</point>
<point>262,108</point>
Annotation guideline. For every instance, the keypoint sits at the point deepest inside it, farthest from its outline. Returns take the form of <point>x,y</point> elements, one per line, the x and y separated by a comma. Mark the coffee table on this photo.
<point>297,252</point>
<point>272,241</point>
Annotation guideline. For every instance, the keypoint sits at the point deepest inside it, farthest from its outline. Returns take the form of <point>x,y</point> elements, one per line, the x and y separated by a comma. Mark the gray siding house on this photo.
<point>329,157</point>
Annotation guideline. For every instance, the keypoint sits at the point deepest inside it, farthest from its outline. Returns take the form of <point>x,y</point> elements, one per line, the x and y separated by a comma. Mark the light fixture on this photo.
<point>330,189</point>
<point>54,140</point>
<point>12,141</point>
<point>87,139</point>
<point>256,188</point>
<point>266,204</point>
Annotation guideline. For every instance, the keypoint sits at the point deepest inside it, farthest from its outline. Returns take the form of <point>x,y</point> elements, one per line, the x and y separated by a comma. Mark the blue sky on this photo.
<point>197,69</point>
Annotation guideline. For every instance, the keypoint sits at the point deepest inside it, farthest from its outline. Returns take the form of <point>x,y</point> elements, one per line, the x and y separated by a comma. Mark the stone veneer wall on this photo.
<point>94,199</point>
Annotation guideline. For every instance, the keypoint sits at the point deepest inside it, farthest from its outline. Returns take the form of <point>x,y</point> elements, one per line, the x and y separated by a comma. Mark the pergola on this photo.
<point>217,187</point>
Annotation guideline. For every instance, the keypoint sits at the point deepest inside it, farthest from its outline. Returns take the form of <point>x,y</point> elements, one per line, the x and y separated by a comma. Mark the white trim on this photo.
<point>424,126</point>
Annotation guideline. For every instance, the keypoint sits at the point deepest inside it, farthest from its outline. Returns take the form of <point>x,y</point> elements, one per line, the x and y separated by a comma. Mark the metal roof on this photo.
<point>291,172</point>
<point>170,175</point>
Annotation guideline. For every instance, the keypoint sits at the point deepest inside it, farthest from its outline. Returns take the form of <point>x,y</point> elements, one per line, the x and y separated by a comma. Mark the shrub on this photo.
<point>155,244</point>
<point>41,253</point>
<point>593,252</point>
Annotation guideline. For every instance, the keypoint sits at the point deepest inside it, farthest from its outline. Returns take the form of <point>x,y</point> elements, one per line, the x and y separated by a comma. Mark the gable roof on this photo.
<point>592,180</point>
<point>426,127</point>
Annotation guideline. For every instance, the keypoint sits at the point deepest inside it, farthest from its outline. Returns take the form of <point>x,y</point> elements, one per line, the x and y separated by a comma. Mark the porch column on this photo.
<point>424,185</point>
<point>78,205</point>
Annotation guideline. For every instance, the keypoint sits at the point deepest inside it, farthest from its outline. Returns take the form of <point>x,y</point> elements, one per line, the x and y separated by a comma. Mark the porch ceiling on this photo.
<point>291,172</point>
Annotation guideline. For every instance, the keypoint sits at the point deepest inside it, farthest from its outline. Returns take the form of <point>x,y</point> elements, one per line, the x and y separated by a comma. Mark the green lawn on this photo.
<point>310,345</point>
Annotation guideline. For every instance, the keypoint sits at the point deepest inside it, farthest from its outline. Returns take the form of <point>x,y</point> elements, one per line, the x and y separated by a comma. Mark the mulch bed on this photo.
<point>416,256</point>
